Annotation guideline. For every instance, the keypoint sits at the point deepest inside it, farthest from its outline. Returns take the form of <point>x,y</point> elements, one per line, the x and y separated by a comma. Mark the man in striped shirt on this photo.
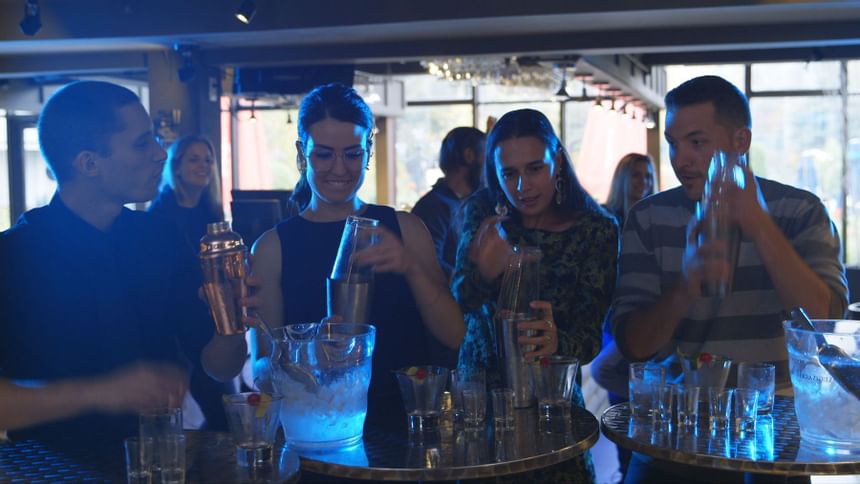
<point>789,252</point>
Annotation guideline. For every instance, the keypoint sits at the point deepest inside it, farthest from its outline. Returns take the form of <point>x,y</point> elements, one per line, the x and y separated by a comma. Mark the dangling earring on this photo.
<point>559,190</point>
<point>501,209</point>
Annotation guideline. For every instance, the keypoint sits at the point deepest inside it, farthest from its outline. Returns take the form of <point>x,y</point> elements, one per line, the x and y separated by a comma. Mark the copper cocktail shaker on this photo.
<point>223,258</point>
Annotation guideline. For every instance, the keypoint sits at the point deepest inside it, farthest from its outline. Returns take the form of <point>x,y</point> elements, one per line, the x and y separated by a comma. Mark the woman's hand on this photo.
<point>252,302</point>
<point>387,255</point>
<point>545,340</point>
<point>489,249</point>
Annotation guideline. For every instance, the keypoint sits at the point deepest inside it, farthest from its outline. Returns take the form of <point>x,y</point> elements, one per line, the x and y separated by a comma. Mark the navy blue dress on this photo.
<point>308,250</point>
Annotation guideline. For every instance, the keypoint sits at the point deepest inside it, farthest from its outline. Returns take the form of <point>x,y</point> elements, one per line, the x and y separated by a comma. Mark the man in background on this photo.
<point>461,159</point>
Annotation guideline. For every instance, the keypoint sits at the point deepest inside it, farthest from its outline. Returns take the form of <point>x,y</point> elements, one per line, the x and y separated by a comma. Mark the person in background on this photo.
<point>93,291</point>
<point>295,258</point>
<point>190,188</point>
<point>789,256</point>
<point>632,181</point>
<point>534,198</point>
<point>190,198</point>
<point>461,159</point>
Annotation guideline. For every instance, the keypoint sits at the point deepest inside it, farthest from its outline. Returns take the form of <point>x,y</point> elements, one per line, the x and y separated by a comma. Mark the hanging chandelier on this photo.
<point>506,71</point>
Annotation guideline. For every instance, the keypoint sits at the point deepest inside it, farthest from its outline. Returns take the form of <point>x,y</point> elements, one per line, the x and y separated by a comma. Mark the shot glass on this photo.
<point>474,409</point>
<point>687,408</point>
<point>662,399</point>
<point>158,424</point>
<point>643,378</point>
<point>171,454</point>
<point>467,379</point>
<point>554,379</point>
<point>720,405</point>
<point>253,421</point>
<point>421,389</point>
<point>761,377</point>
<point>138,460</point>
<point>746,408</point>
<point>503,408</point>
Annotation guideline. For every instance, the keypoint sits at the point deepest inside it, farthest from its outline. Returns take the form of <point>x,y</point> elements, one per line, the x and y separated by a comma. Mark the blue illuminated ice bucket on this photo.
<point>323,372</point>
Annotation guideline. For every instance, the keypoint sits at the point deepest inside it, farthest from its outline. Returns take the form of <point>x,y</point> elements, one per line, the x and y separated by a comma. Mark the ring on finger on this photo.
<point>548,338</point>
<point>549,323</point>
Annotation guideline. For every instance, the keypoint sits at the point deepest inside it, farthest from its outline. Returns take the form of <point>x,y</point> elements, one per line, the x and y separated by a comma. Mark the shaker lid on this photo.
<point>219,238</point>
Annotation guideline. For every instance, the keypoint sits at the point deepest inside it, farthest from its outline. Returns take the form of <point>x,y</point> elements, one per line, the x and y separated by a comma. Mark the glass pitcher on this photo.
<point>324,377</point>
<point>520,286</point>
<point>349,289</point>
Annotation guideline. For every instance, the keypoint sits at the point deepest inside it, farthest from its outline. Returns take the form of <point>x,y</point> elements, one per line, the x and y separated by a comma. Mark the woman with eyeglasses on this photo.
<point>294,259</point>
<point>533,198</point>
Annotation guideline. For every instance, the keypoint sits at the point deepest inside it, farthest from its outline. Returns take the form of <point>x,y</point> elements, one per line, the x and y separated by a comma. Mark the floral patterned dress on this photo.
<point>577,275</point>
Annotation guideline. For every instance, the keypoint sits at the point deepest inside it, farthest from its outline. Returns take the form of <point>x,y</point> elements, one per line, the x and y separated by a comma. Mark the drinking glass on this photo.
<point>138,460</point>
<point>503,408</point>
<point>468,379</point>
<point>761,377</point>
<point>554,380</point>
<point>724,173</point>
<point>171,454</point>
<point>661,403</point>
<point>349,289</point>
<point>253,421</point>
<point>520,286</point>
<point>643,378</point>
<point>687,409</point>
<point>746,408</point>
<point>421,388</point>
<point>474,408</point>
<point>158,425</point>
<point>720,405</point>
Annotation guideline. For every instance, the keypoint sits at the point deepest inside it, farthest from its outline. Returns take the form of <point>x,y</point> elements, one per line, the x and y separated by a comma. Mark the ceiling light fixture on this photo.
<point>31,23</point>
<point>245,12</point>
<point>561,95</point>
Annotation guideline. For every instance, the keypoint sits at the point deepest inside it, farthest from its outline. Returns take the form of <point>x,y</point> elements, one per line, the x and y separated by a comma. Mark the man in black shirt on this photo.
<point>461,159</point>
<point>97,300</point>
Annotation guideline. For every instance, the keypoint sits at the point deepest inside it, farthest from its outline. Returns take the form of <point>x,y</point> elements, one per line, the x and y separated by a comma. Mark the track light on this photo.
<point>649,121</point>
<point>32,20</point>
<point>245,12</point>
<point>253,117</point>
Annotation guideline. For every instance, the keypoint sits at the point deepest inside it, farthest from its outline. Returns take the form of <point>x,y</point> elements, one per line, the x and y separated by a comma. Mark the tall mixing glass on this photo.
<point>520,286</point>
<point>350,287</point>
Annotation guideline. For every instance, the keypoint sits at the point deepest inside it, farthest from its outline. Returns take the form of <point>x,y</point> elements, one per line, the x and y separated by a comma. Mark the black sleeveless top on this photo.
<point>308,250</point>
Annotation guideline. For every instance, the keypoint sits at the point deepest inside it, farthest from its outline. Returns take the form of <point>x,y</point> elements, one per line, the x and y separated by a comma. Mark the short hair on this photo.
<point>80,116</point>
<point>175,153</point>
<point>335,101</point>
<point>455,143</point>
<point>731,107</point>
<point>531,123</point>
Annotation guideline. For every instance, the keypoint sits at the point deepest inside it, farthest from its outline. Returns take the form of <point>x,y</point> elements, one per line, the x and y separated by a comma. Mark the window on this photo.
<point>419,135</point>
<point>795,76</point>
<point>5,202</point>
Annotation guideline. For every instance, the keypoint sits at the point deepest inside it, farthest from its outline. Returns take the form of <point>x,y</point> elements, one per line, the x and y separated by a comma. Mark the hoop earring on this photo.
<point>559,191</point>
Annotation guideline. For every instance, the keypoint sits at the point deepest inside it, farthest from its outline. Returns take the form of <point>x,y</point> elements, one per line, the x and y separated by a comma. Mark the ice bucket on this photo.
<point>825,374</point>
<point>324,379</point>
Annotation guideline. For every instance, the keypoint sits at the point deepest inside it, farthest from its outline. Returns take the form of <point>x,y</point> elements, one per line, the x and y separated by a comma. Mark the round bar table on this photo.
<point>209,457</point>
<point>774,448</point>
<point>389,453</point>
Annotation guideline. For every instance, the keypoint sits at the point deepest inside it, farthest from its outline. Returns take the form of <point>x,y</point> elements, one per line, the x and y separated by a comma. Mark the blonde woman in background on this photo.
<point>633,180</point>
<point>190,188</point>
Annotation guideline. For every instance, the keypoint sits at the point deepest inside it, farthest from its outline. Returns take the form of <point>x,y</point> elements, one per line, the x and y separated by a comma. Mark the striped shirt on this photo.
<point>747,324</point>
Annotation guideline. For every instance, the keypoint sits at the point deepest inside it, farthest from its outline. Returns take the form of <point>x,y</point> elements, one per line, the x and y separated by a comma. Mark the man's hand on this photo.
<point>747,206</point>
<point>490,249</point>
<point>138,387</point>
<point>707,262</point>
